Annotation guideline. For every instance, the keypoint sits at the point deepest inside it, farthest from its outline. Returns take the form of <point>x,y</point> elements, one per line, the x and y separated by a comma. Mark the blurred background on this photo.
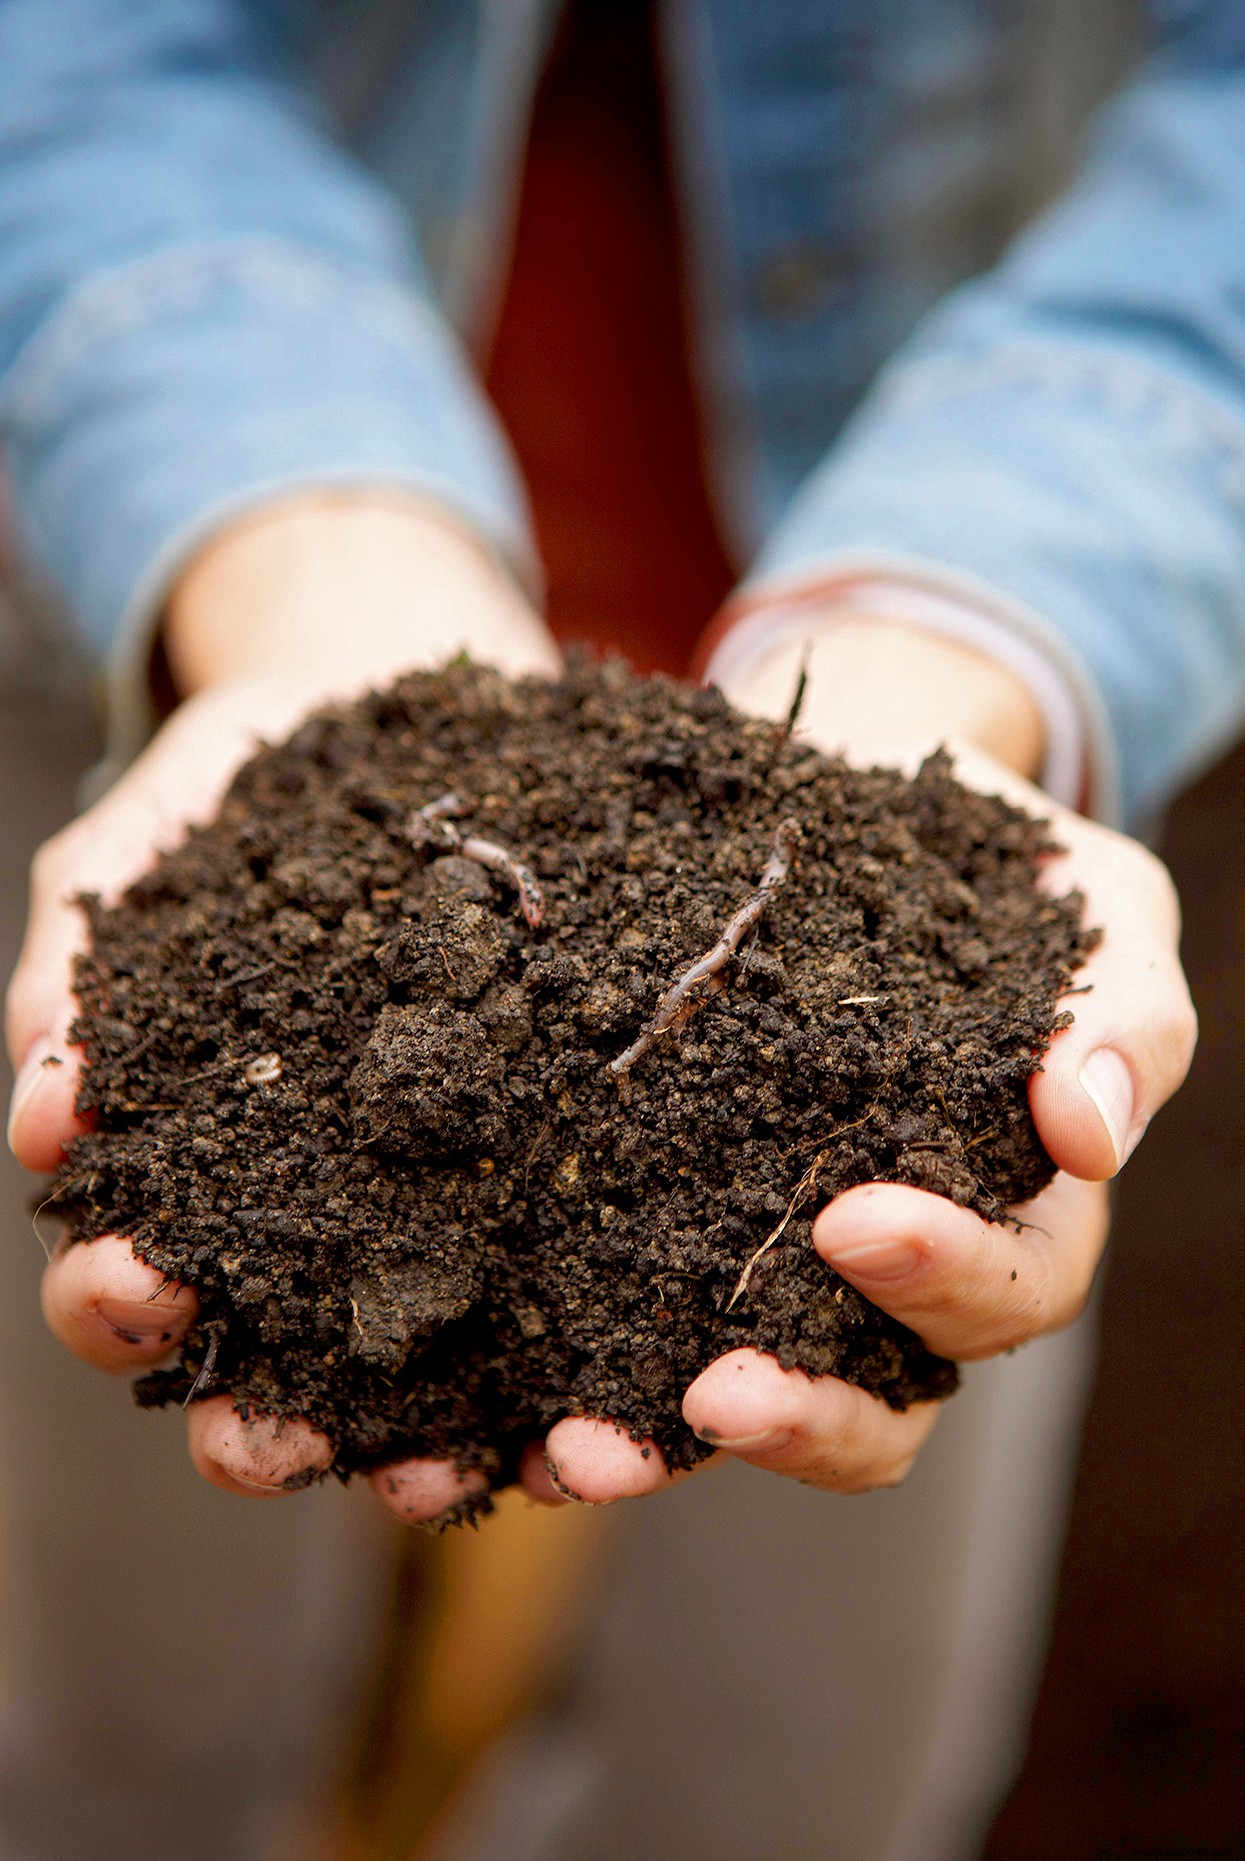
<point>1138,1744</point>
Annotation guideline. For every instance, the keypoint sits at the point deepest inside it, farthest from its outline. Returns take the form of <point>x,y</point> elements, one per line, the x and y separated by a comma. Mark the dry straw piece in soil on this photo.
<point>487,1059</point>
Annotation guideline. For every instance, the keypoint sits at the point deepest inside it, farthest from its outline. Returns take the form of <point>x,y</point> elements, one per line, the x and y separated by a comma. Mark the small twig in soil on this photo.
<point>34,1222</point>
<point>797,696</point>
<point>806,1182</point>
<point>205,1374</point>
<point>432,825</point>
<point>84,1179</point>
<point>544,1131</point>
<point>217,1066</point>
<point>679,1001</point>
<point>829,1137</point>
<point>148,1040</point>
<point>802,1188</point>
<point>248,975</point>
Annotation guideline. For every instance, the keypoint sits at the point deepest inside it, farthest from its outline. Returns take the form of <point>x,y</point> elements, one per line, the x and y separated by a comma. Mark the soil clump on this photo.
<point>362,1057</point>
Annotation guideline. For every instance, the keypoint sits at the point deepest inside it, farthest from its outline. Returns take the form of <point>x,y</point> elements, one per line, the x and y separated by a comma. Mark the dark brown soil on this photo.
<point>342,1087</point>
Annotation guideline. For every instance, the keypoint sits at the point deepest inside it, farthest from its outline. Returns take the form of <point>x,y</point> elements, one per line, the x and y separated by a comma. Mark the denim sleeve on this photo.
<point>203,303</point>
<point>1064,440</point>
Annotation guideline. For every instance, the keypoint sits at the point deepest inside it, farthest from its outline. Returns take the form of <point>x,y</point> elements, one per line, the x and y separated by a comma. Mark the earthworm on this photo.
<point>676,998</point>
<point>433,825</point>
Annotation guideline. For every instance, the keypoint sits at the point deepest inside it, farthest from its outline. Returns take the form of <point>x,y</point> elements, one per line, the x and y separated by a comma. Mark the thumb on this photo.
<point>1134,1031</point>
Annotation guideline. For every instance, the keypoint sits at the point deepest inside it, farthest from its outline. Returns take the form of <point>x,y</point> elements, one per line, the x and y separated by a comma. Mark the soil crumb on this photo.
<point>386,1062</point>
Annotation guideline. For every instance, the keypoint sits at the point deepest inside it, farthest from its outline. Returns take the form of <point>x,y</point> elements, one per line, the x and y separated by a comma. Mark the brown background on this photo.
<point>1138,1748</point>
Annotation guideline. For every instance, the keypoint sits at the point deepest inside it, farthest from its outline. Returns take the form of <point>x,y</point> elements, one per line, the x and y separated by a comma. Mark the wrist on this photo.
<point>339,590</point>
<point>879,688</point>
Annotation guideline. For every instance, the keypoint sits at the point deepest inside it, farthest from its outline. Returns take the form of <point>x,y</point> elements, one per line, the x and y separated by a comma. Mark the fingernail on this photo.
<point>29,1076</point>
<point>877,1260</point>
<point>551,1468</point>
<point>768,1441</point>
<point>566,1491</point>
<point>141,1324</point>
<point>1104,1075</point>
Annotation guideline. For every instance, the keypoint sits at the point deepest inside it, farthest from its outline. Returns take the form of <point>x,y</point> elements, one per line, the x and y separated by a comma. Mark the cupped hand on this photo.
<point>969,1288</point>
<point>108,1306</point>
<point>255,633</point>
<point>104,1303</point>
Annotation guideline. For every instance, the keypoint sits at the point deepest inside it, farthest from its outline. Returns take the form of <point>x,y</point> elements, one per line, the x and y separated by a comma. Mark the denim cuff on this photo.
<point>172,395</point>
<point>1088,499</point>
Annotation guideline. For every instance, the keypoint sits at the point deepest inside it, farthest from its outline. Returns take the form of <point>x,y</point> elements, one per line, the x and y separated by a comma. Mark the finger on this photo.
<point>42,1114</point>
<point>259,1456</point>
<point>534,1477</point>
<point>596,1462</point>
<point>113,1310</point>
<point>425,1492</point>
<point>1134,1031</point>
<point>39,1010</point>
<point>969,1288</point>
<point>99,853</point>
<point>816,1429</point>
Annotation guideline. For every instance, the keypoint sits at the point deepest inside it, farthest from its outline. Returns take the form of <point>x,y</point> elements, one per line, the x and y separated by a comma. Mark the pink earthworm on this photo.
<point>676,1002</point>
<point>433,824</point>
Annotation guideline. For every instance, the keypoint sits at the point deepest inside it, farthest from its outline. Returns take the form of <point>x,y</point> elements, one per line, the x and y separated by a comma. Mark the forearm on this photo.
<point>336,591</point>
<point>1061,444</point>
<point>346,590</point>
<point>186,336</point>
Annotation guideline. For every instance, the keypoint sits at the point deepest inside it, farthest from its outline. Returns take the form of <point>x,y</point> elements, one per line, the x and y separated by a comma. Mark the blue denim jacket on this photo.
<point>246,245</point>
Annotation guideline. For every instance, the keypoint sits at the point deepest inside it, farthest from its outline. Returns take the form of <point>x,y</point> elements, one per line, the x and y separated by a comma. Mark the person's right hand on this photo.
<point>312,600</point>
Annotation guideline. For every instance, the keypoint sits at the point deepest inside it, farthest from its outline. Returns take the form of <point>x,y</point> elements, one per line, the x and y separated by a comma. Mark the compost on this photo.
<point>487,1058</point>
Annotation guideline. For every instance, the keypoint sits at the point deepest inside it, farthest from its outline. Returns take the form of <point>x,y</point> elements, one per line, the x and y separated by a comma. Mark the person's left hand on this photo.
<point>968,1288</point>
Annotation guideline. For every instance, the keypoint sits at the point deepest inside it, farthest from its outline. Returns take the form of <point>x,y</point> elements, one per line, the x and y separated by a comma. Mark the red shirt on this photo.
<point>589,368</point>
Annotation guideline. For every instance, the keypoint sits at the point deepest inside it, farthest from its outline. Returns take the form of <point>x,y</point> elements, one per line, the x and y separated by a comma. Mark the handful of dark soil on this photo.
<point>394,1065</point>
